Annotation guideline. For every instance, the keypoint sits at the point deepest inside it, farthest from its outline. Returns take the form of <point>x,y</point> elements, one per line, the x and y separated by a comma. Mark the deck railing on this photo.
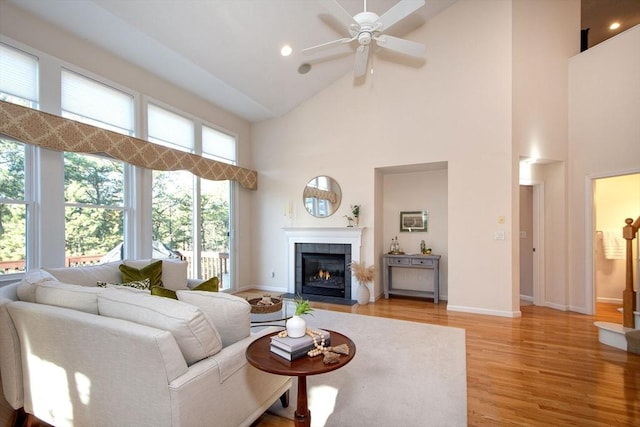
<point>213,264</point>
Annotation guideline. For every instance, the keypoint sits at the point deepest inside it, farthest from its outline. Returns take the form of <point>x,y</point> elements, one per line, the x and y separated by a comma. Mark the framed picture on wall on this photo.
<point>414,221</point>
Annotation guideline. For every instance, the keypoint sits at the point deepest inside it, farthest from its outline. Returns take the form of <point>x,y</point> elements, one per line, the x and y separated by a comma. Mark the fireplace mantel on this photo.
<point>345,235</point>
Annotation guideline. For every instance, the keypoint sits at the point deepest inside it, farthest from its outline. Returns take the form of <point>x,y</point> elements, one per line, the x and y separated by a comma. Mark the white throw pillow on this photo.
<point>230,314</point>
<point>76,297</point>
<point>88,275</point>
<point>174,271</point>
<point>194,332</point>
<point>26,289</point>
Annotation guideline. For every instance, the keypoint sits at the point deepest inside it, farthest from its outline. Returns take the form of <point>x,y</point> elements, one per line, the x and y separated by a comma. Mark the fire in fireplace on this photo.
<point>322,270</point>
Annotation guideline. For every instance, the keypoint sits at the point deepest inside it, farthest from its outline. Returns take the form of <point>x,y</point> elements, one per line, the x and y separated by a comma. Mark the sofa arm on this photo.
<point>78,367</point>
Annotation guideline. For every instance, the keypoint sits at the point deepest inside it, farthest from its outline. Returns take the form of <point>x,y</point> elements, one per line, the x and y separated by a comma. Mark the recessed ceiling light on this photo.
<point>614,26</point>
<point>286,50</point>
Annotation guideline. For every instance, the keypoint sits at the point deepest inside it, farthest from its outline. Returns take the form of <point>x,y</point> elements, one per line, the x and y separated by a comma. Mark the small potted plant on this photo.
<point>355,211</point>
<point>297,326</point>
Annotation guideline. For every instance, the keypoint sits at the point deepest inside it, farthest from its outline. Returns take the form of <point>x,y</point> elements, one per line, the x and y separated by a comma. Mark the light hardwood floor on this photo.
<point>545,368</point>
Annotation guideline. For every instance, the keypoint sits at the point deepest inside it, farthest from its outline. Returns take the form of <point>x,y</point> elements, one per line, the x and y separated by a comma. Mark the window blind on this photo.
<point>170,129</point>
<point>98,102</point>
<point>18,73</point>
<point>218,145</point>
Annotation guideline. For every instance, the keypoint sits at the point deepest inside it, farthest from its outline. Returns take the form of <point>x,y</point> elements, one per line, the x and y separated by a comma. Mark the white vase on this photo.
<point>363,295</point>
<point>296,327</point>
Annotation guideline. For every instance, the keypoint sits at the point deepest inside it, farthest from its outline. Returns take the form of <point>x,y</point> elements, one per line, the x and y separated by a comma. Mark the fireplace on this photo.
<point>322,269</point>
<point>328,251</point>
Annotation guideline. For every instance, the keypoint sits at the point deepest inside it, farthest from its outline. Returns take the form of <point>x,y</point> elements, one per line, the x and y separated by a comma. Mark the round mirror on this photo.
<point>322,196</point>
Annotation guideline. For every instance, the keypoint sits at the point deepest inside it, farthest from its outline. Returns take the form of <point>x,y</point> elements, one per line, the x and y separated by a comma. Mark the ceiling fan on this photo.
<point>367,28</point>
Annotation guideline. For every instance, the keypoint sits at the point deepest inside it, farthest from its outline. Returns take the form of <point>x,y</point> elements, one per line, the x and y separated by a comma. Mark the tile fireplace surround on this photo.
<point>336,235</point>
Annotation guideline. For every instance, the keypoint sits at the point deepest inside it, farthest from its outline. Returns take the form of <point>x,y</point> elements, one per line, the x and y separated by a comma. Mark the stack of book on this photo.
<point>295,348</point>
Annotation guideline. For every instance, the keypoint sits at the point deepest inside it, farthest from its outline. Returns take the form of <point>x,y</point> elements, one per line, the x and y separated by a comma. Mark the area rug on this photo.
<point>403,374</point>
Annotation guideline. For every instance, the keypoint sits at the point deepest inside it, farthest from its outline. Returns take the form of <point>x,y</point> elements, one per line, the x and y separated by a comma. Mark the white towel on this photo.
<point>615,246</point>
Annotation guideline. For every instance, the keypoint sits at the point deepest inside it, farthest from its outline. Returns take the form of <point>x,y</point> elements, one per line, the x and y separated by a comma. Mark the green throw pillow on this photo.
<point>163,292</point>
<point>210,285</point>
<point>153,272</point>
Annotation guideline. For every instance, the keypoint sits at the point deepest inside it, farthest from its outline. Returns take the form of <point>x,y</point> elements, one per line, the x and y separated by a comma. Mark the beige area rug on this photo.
<point>404,374</point>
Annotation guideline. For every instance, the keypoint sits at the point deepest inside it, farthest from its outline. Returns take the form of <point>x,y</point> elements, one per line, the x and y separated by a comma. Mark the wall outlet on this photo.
<point>498,235</point>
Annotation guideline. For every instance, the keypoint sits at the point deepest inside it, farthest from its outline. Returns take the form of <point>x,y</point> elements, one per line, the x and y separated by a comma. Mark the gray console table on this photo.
<point>430,262</point>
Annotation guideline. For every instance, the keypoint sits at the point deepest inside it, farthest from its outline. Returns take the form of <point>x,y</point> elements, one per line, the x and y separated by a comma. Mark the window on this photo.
<point>19,85</point>
<point>18,77</point>
<point>191,215</point>
<point>94,185</point>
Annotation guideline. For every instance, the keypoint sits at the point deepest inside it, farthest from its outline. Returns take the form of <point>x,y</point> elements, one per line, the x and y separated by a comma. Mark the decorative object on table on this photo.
<point>394,248</point>
<point>364,275</point>
<point>297,326</point>
<point>424,250</point>
<point>414,221</point>
<point>314,343</point>
<point>295,348</point>
<point>265,304</point>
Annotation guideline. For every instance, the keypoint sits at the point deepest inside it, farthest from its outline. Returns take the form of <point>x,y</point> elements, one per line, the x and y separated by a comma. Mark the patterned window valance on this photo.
<point>57,133</point>
<point>320,194</point>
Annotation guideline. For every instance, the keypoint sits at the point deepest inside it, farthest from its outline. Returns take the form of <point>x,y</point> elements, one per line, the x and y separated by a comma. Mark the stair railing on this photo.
<point>629,233</point>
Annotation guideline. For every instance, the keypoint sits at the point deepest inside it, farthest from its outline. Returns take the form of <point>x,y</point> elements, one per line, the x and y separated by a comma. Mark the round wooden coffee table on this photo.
<point>259,355</point>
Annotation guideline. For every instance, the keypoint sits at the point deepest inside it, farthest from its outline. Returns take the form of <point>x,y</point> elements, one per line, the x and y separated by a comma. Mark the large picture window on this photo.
<point>94,185</point>
<point>191,216</point>
<point>19,85</point>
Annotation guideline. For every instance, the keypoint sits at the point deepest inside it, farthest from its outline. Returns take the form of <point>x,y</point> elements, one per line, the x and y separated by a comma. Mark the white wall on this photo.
<point>456,108</point>
<point>604,140</point>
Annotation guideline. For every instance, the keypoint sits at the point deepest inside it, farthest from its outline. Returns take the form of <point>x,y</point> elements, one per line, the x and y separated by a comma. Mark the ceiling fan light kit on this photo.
<point>367,27</point>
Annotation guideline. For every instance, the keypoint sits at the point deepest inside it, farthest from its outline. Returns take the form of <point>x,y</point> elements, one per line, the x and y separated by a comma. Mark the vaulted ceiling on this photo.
<point>228,51</point>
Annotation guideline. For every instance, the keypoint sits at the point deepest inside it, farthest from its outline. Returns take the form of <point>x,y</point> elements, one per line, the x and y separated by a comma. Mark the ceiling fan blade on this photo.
<point>407,47</point>
<point>327,45</point>
<point>341,15</point>
<point>401,10</point>
<point>362,58</point>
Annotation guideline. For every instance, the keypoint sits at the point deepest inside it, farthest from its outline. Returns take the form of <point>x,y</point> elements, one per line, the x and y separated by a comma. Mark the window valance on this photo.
<point>57,133</point>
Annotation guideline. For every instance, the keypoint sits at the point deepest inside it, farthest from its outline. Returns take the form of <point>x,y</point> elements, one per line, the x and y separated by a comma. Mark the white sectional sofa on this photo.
<point>74,354</point>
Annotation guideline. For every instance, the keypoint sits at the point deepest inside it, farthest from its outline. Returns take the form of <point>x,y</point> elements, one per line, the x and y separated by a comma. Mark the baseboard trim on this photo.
<point>475,310</point>
<point>610,300</point>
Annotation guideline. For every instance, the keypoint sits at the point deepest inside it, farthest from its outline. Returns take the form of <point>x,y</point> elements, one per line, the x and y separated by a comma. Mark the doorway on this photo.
<point>615,198</point>
<point>531,242</point>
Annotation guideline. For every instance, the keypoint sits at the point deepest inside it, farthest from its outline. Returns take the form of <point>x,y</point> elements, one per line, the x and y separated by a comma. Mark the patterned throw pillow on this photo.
<point>153,272</point>
<point>137,284</point>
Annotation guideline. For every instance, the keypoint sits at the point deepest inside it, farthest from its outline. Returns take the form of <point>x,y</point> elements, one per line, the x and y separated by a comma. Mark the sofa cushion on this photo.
<point>152,271</point>
<point>230,314</point>
<point>76,297</point>
<point>194,332</point>
<point>174,271</point>
<point>89,275</point>
<point>137,284</point>
<point>26,290</point>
